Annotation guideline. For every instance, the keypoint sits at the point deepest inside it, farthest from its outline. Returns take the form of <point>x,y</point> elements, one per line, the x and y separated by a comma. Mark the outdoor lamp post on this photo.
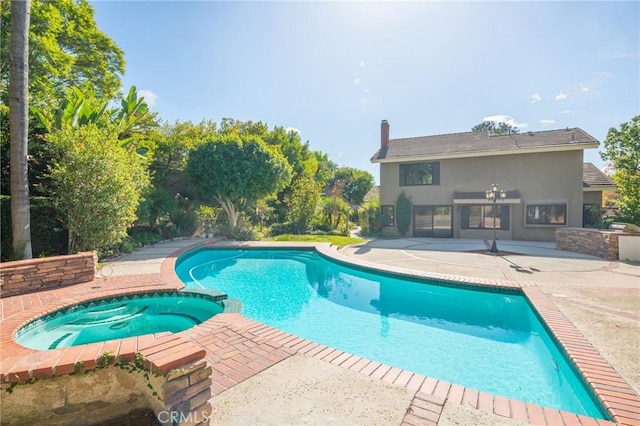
<point>492,195</point>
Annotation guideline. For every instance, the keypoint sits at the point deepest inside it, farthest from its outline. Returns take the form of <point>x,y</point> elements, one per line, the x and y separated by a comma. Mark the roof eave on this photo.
<point>511,151</point>
<point>594,188</point>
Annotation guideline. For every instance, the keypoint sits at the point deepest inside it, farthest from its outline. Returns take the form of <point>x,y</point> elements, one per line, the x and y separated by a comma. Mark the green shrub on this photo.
<point>138,237</point>
<point>369,217</point>
<point>403,213</point>
<point>281,228</point>
<point>155,205</point>
<point>238,233</point>
<point>48,232</point>
<point>97,184</point>
<point>207,217</point>
<point>185,222</point>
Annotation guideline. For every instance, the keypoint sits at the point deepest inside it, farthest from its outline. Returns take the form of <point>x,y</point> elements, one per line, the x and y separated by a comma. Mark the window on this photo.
<point>387,217</point>
<point>481,217</point>
<point>546,214</point>
<point>420,174</point>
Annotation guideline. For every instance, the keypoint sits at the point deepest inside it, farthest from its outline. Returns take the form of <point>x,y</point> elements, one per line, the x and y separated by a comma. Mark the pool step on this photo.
<point>111,319</point>
<point>59,340</point>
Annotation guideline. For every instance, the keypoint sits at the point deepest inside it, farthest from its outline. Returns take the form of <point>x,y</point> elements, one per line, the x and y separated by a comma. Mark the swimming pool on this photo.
<point>120,317</point>
<point>487,340</point>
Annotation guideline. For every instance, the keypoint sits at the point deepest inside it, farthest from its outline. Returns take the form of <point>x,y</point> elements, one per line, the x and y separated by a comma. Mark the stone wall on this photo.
<point>175,386</point>
<point>27,276</point>
<point>185,395</point>
<point>589,241</point>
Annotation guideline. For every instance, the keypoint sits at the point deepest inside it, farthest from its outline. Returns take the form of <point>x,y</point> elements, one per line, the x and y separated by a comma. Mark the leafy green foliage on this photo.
<point>207,217</point>
<point>403,213</point>
<point>236,171</point>
<point>622,148</point>
<point>354,183</point>
<point>172,145</point>
<point>335,209</point>
<point>155,205</point>
<point>48,230</point>
<point>369,216</point>
<point>325,167</point>
<point>97,186</point>
<point>495,128</point>
<point>66,49</point>
<point>302,203</point>
<point>184,222</point>
<point>238,233</point>
<point>74,110</point>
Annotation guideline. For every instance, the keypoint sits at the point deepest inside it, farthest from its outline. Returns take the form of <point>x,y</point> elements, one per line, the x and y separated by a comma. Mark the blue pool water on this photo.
<point>119,317</point>
<point>489,341</point>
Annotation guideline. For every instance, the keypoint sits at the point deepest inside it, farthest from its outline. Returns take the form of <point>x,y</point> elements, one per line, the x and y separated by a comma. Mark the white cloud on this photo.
<point>584,88</point>
<point>505,119</point>
<point>292,129</point>
<point>356,81</point>
<point>545,123</point>
<point>566,111</point>
<point>149,97</point>
<point>362,62</point>
<point>561,96</point>
<point>365,91</point>
<point>535,98</point>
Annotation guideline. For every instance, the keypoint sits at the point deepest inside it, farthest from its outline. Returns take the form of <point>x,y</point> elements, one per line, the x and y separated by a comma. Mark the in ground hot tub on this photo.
<point>120,317</point>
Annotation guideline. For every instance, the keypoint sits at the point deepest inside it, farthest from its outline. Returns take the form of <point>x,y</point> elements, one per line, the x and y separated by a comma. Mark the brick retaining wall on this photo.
<point>589,241</point>
<point>177,387</point>
<point>31,275</point>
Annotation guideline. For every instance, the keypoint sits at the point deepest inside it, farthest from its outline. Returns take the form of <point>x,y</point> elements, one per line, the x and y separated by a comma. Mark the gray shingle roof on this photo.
<point>481,143</point>
<point>593,176</point>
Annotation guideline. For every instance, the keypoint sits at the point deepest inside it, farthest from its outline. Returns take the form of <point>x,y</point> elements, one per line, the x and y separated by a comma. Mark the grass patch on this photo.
<point>336,240</point>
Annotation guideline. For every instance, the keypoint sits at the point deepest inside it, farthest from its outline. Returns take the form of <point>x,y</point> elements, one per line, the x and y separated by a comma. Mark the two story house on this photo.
<point>446,178</point>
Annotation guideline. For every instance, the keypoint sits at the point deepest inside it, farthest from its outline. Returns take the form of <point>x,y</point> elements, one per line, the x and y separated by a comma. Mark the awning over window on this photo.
<point>513,197</point>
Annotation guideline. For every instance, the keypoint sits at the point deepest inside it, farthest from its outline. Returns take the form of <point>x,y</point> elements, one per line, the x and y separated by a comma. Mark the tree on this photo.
<point>325,168</point>
<point>622,148</point>
<point>495,128</point>
<point>97,184</point>
<point>237,171</point>
<point>19,126</point>
<point>302,202</point>
<point>66,49</point>
<point>334,208</point>
<point>172,145</point>
<point>369,215</point>
<point>354,183</point>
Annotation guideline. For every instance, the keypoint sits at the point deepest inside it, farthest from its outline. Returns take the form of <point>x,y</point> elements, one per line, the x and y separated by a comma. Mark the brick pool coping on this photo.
<point>239,348</point>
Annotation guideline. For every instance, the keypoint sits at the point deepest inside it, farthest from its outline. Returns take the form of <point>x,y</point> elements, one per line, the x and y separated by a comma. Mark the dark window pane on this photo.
<point>481,217</point>
<point>387,216</point>
<point>419,174</point>
<point>547,214</point>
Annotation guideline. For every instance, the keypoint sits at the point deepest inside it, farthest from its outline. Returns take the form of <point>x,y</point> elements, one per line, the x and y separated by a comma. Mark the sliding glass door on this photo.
<point>433,221</point>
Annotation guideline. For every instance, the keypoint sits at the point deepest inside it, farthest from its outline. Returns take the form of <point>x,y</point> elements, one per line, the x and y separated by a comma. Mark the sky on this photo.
<point>334,70</point>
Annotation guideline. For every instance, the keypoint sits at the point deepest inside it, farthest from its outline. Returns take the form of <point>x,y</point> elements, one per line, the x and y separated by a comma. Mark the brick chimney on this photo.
<point>384,134</point>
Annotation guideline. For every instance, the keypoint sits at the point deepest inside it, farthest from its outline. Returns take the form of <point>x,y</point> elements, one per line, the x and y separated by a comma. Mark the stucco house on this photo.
<point>446,176</point>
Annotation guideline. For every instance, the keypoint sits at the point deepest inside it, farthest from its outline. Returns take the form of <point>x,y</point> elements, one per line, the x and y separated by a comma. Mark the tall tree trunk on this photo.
<point>232,213</point>
<point>19,125</point>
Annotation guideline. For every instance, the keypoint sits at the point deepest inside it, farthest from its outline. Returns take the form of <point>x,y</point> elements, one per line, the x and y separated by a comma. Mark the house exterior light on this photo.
<point>492,195</point>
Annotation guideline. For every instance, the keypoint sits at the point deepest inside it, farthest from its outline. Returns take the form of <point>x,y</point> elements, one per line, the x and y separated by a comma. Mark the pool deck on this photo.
<point>264,375</point>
